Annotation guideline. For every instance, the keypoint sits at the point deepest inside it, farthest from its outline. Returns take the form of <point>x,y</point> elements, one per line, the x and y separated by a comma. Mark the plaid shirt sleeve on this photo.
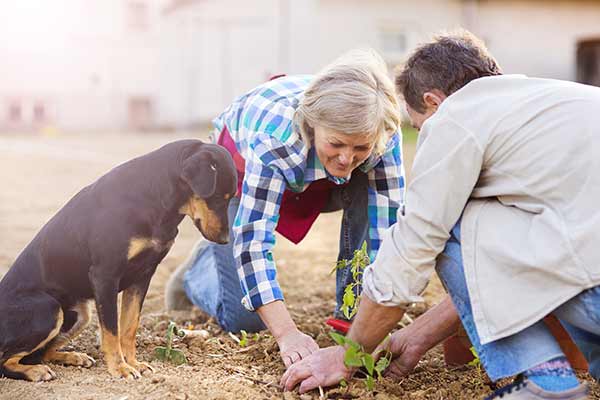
<point>386,192</point>
<point>269,165</point>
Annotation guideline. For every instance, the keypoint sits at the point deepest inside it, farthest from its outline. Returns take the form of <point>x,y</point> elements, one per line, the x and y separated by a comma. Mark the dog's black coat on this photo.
<point>85,251</point>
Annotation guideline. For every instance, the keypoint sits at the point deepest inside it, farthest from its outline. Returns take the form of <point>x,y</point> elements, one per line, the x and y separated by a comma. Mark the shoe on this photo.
<point>175,296</point>
<point>523,389</point>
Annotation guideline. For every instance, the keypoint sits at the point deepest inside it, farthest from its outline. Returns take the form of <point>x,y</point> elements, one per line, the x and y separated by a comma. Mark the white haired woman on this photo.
<point>302,145</point>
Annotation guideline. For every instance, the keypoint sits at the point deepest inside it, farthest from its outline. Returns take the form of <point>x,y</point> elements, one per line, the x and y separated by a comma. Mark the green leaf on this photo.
<point>343,383</point>
<point>382,364</point>
<point>475,362</point>
<point>339,339</point>
<point>339,265</point>
<point>369,363</point>
<point>370,383</point>
<point>177,357</point>
<point>244,339</point>
<point>346,311</point>
<point>352,358</point>
<point>363,248</point>
<point>349,297</point>
<point>170,355</point>
<point>353,344</point>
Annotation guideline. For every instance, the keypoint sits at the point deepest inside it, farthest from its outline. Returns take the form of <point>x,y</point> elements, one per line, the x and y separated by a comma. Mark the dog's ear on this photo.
<point>200,173</point>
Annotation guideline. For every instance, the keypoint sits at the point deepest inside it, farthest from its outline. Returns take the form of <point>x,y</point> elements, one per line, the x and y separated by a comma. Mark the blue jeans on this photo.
<point>534,345</point>
<point>212,282</point>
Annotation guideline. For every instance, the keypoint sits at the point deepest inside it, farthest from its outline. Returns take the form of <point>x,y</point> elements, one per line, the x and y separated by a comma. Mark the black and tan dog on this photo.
<point>108,238</point>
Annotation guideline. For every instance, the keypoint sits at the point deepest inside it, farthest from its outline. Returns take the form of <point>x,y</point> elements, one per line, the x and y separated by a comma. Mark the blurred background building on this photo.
<point>83,65</point>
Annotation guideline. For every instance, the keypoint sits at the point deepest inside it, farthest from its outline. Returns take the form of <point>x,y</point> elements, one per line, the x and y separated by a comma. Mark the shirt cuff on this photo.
<point>263,293</point>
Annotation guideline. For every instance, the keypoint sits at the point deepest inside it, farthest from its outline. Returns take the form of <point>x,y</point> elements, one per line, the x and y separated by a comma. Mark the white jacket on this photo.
<point>519,158</point>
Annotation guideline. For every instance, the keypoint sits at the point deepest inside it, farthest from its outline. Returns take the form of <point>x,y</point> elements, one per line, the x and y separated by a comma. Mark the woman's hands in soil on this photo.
<point>295,346</point>
<point>325,367</point>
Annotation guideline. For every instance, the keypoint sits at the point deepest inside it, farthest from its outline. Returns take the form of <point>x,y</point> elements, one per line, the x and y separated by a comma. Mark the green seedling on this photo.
<point>476,362</point>
<point>359,262</point>
<point>355,357</point>
<point>168,353</point>
<point>245,338</point>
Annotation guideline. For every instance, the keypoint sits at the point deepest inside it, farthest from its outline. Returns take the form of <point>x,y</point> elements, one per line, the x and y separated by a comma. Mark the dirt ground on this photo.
<point>38,174</point>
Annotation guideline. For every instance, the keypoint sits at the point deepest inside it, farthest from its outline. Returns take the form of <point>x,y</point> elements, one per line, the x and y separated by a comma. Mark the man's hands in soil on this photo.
<point>406,353</point>
<point>324,367</point>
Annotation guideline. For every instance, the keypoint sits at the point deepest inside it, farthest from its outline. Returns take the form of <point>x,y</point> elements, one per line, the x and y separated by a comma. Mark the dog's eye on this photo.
<point>213,167</point>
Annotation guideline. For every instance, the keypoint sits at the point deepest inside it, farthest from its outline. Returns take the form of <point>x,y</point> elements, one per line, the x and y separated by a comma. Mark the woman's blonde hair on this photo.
<point>353,95</point>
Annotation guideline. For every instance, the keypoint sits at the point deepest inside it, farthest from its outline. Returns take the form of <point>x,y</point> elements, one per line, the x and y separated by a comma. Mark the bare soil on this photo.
<point>39,174</point>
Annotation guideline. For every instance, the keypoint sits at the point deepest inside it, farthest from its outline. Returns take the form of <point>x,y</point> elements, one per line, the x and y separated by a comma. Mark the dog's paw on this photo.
<point>39,373</point>
<point>71,358</point>
<point>124,370</point>
<point>142,367</point>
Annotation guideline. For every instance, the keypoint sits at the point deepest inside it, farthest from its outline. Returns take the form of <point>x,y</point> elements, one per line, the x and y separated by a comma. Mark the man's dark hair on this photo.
<point>447,63</point>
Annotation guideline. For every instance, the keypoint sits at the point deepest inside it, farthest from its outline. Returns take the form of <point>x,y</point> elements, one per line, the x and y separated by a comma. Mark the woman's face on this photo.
<point>339,152</point>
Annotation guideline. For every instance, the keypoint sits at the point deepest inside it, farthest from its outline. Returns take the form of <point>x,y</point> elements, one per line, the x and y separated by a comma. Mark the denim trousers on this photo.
<point>212,282</point>
<point>534,345</point>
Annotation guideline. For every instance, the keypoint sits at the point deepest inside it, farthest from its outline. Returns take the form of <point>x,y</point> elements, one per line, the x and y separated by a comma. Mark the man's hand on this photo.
<point>406,352</point>
<point>409,345</point>
<point>324,367</point>
<point>295,346</point>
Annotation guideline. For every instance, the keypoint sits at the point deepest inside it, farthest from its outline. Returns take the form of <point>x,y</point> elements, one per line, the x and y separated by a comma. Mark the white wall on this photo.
<point>538,38</point>
<point>85,62</point>
<point>81,58</point>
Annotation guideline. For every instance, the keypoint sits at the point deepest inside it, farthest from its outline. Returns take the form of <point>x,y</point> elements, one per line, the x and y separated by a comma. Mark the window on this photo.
<point>588,62</point>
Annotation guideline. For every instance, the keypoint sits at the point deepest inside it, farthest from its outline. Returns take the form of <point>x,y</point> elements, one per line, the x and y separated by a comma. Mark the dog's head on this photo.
<point>211,176</point>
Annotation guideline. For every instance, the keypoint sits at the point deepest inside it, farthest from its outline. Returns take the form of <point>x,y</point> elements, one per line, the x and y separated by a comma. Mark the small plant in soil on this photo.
<point>168,353</point>
<point>359,262</point>
<point>356,357</point>
<point>245,339</point>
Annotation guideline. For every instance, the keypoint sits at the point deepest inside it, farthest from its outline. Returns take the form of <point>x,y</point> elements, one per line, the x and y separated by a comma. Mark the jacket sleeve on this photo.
<point>446,168</point>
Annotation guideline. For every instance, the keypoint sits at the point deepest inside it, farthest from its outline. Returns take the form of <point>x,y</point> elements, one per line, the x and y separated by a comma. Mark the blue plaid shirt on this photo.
<point>261,124</point>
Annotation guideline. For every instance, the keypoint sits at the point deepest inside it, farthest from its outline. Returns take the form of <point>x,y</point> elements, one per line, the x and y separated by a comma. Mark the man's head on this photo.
<point>439,68</point>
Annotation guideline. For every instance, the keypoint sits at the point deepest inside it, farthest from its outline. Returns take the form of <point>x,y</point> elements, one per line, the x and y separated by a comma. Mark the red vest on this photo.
<point>298,211</point>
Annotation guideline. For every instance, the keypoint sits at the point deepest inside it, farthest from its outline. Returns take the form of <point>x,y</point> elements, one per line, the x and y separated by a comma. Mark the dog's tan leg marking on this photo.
<point>129,322</point>
<point>52,353</point>
<point>113,355</point>
<point>37,372</point>
<point>137,245</point>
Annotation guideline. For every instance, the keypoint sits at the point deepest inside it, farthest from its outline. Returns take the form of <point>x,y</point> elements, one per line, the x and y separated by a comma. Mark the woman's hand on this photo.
<point>295,346</point>
<point>324,367</point>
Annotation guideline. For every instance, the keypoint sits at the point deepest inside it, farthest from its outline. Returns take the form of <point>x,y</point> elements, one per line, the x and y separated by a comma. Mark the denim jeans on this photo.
<point>534,345</point>
<point>212,282</point>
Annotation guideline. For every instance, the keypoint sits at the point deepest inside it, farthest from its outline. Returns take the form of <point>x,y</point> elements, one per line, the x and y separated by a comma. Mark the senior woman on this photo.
<point>302,145</point>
